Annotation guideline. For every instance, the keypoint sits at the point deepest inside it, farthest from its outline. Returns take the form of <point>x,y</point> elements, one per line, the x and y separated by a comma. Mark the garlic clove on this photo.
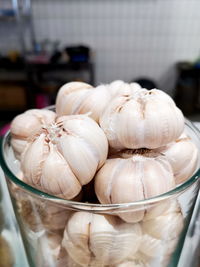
<point>104,180</point>
<point>183,156</point>
<point>65,91</point>
<point>83,162</point>
<point>151,246</point>
<point>131,178</point>
<point>71,102</point>
<point>151,186</point>
<point>127,181</point>
<point>95,102</point>
<point>165,227</point>
<point>119,87</point>
<point>83,101</point>
<point>164,207</point>
<point>109,120</point>
<point>86,128</point>
<point>57,177</point>
<point>45,116</point>
<point>18,146</point>
<point>76,238</point>
<point>30,164</point>
<point>137,260</point>
<point>133,121</point>
<point>30,121</point>
<point>112,240</point>
<point>27,124</point>
<point>100,239</point>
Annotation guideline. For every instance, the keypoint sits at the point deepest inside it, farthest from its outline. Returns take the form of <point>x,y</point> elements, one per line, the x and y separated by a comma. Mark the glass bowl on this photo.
<point>59,232</point>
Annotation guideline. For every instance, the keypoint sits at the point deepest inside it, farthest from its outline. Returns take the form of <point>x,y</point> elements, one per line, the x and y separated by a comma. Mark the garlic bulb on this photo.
<point>81,98</point>
<point>26,124</point>
<point>100,238</point>
<point>183,156</point>
<point>131,178</point>
<point>64,156</point>
<point>143,119</point>
<point>119,87</point>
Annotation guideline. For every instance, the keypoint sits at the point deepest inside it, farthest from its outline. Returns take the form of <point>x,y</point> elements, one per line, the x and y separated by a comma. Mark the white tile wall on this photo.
<point>129,38</point>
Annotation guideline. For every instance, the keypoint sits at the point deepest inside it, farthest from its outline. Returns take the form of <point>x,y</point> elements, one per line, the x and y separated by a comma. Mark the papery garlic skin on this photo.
<point>81,98</point>
<point>100,238</point>
<point>143,119</point>
<point>137,177</point>
<point>183,155</point>
<point>26,124</point>
<point>65,155</point>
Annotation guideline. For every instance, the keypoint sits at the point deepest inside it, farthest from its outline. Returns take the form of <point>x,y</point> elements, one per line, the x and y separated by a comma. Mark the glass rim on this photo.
<point>93,206</point>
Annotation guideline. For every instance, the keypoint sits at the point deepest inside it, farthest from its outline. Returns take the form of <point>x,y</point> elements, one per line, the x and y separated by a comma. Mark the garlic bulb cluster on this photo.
<point>26,124</point>
<point>81,98</point>
<point>111,144</point>
<point>67,155</point>
<point>98,238</point>
<point>143,119</point>
<point>133,177</point>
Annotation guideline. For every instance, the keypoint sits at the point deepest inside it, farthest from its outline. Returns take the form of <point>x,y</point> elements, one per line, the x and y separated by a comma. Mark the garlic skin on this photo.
<point>183,155</point>
<point>99,238</point>
<point>131,178</point>
<point>26,124</point>
<point>65,155</point>
<point>142,119</point>
<point>81,98</point>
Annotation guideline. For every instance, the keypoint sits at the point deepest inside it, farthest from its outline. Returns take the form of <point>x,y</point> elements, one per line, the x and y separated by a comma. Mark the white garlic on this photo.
<point>165,207</point>
<point>165,227</point>
<point>161,234</point>
<point>142,119</point>
<point>137,260</point>
<point>131,178</point>
<point>100,238</point>
<point>119,87</point>
<point>49,251</point>
<point>65,155</point>
<point>40,215</point>
<point>81,98</point>
<point>183,156</point>
<point>27,124</point>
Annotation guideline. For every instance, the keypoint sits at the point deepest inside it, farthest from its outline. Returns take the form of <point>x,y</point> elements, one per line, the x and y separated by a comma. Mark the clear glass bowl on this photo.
<point>58,232</point>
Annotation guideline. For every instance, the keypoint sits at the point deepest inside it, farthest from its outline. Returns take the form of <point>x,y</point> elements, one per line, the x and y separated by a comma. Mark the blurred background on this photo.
<point>46,43</point>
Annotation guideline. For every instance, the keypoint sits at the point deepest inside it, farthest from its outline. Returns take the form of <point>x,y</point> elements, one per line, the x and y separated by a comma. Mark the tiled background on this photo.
<point>129,38</point>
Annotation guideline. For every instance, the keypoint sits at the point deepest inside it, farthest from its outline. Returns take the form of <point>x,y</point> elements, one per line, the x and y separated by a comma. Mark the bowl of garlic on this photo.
<point>106,177</point>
